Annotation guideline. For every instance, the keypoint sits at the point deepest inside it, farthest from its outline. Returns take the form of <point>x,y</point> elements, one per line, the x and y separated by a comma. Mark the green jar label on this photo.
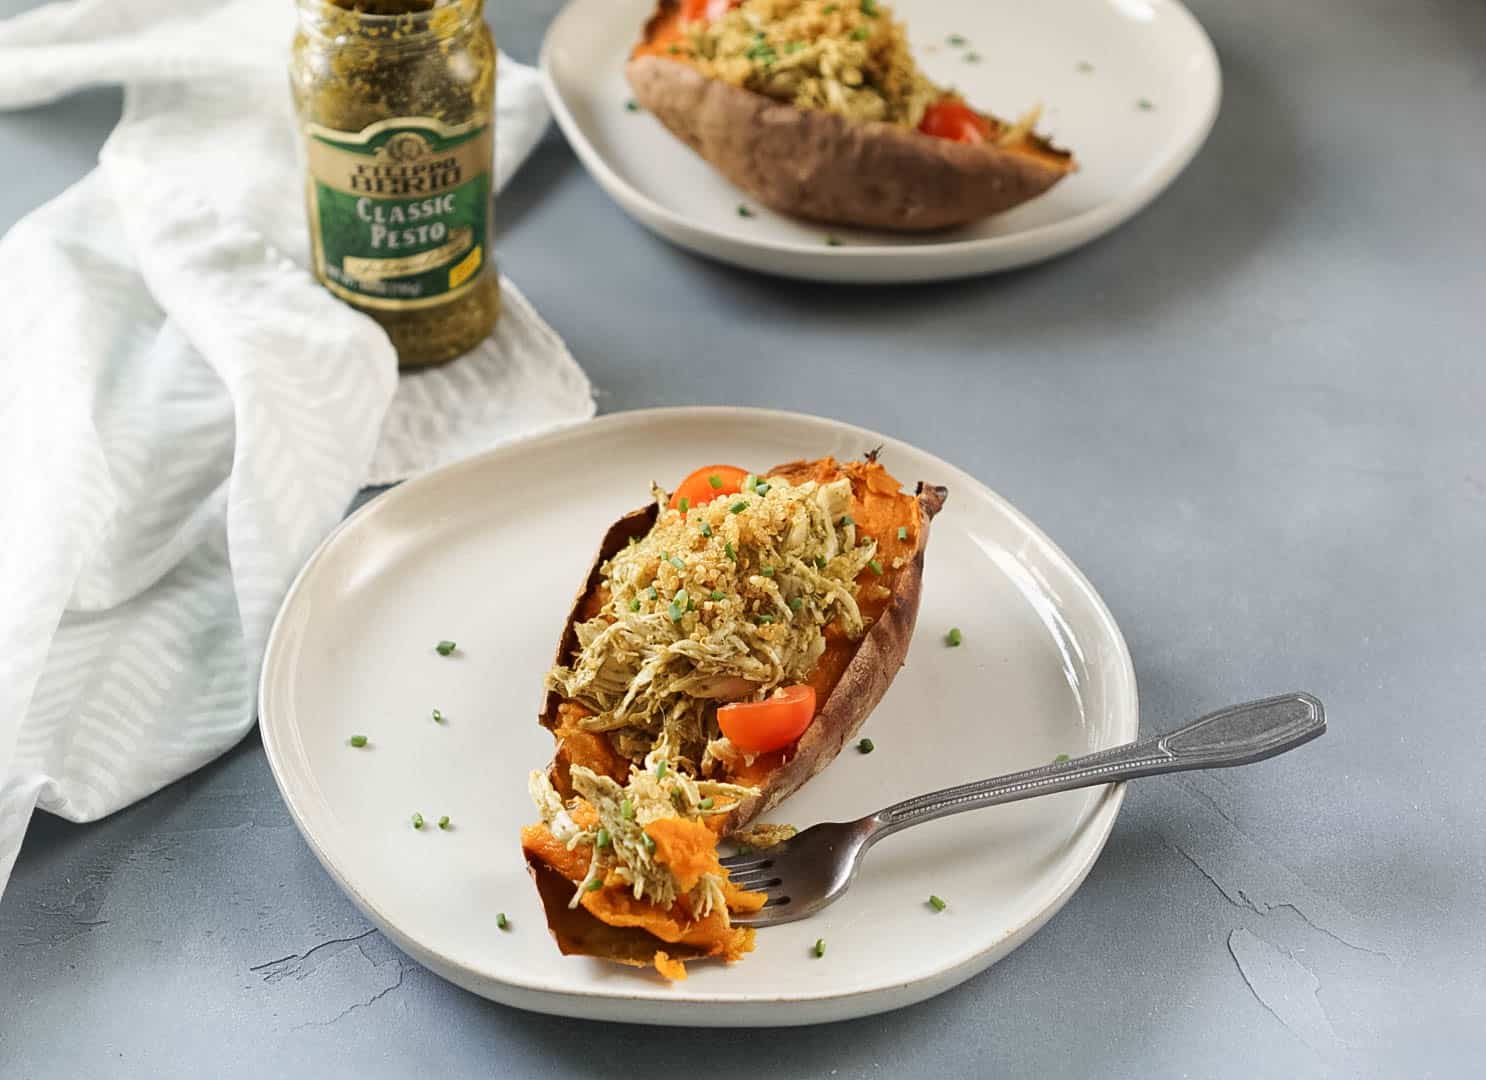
<point>399,211</point>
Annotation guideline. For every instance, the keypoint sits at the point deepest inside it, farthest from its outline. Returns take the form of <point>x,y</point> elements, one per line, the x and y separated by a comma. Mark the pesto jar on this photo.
<point>395,100</point>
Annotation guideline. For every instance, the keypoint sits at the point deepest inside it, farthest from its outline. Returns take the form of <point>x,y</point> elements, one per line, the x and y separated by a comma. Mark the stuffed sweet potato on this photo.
<point>818,109</point>
<point>727,643</point>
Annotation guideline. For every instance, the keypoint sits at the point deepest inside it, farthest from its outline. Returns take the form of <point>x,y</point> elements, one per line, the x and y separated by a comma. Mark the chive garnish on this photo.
<point>743,211</point>
<point>651,593</point>
<point>767,571</point>
<point>761,489</point>
<point>634,605</point>
<point>714,480</point>
<point>648,841</point>
<point>706,530</point>
<point>626,809</point>
<point>956,40</point>
<point>594,884</point>
<point>797,603</point>
<point>833,241</point>
<point>717,594</point>
<point>660,770</point>
<point>444,648</point>
<point>1061,758</point>
<point>860,34</point>
<point>358,741</point>
<point>765,620</point>
<point>972,58</point>
<point>846,519</point>
<point>1084,67</point>
<point>601,841</point>
<point>875,567</point>
<point>820,947</point>
<point>738,507</point>
<point>749,481</point>
<point>677,609</point>
<point>705,804</point>
<point>936,903</point>
<point>417,821</point>
<point>1144,104</point>
<point>501,920</point>
<point>683,504</point>
<point>902,532</point>
<point>828,9</point>
<point>438,717</point>
<point>444,822</point>
<point>675,560</point>
<point>820,562</point>
<point>869,8</point>
<point>953,638</point>
<point>866,746</point>
<point>632,105</point>
<point>729,551</point>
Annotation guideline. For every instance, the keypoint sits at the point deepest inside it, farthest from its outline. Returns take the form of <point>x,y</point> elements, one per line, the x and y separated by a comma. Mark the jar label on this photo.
<point>399,210</point>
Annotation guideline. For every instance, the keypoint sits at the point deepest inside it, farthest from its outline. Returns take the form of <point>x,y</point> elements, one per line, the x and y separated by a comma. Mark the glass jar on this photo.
<point>396,103</point>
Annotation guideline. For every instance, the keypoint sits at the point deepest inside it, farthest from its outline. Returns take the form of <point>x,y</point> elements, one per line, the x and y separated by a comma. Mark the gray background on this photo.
<point>1253,416</point>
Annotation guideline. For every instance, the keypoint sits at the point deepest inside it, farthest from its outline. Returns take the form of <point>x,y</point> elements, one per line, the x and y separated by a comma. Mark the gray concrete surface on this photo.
<point>1254,416</point>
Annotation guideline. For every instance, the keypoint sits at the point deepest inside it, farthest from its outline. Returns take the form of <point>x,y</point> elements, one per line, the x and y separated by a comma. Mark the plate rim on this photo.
<point>694,1009</point>
<point>982,255</point>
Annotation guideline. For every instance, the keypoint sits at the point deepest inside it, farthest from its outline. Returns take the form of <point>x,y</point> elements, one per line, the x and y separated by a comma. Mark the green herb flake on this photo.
<point>501,921</point>
<point>750,482</point>
<point>953,638</point>
<point>717,595</point>
<point>833,241</point>
<point>902,532</point>
<point>936,903</point>
<point>875,567</point>
<point>626,810</point>
<point>828,9</point>
<point>651,593</point>
<point>648,841</point>
<point>738,507</point>
<point>791,47</point>
<point>602,840</point>
<point>594,884</point>
<point>957,40</point>
<point>683,504</point>
<point>358,741</point>
<point>820,562</point>
<point>743,211</point>
<point>676,561</point>
<point>846,519</point>
<point>972,58</point>
<point>819,948</point>
<point>417,821</point>
<point>765,620</point>
<point>860,33</point>
<point>677,610</point>
<point>634,604</point>
<point>444,822</point>
<point>767,571</point>
<point>761,489</point>
<point>706,530</point>
<point>706,804</point>
<point>1061,758</point>
<point>866,746</point>
<point>797,603</point>
<point>1083,67</point>
<point>1144,105</point>
<point>660,770</point>
<point>869,8</point>
<point>444,648</point>
<point>729,551</point>
<point>632,105</point>
<point>714,480</point>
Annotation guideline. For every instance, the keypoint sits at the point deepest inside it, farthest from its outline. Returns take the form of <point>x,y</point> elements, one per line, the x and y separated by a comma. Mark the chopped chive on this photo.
<point>358,741</point>
<point>444,822</point>
<point>767,571</point>
<point>866,746</point>
<point>761,489</point>
<point>953,638</point>
<point>820,562</point>
<point>706,530</point>
<point>738,507</point>
<point>648,841</point>
<point>417,821</point>
<point>660,770</point>
<point>705,804</point>
<point>717,594</point>
<point>819,948</point>
<point>714,480</point>
<point>936,903</point>
<point>676,610</point>
<point>730,551</point>
<point>875,567</point>
<point>902,532</point>
<point>675,560</point>
<point>956,40</point>
<point>797,603</point>
<point>833,241</point>
<point>793,47</point>
<point>683,504</point>
<point>860,33</point>
<point>632,105</point>
<point>1084,67</point>
<point>846,519</point>
<point>634,605</point>
<point>1061,758</point>
<point>869,8</point>
<point>1144,104</point>
<point>765,620</point>
<point>972,58</point>
<point>594,884</point>
<point>743,211</point>
<point>828,9</point>
<point>438,717</point>
<point>626,809</point>
<point>651,593</point>
<point>665,556</point>
<point>750,482</point>
<point>444,648</point>
<point>501,920</point>
<point>602,840</point>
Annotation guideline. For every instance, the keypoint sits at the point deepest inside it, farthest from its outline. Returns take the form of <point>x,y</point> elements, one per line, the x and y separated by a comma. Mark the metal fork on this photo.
<point>813,868</point>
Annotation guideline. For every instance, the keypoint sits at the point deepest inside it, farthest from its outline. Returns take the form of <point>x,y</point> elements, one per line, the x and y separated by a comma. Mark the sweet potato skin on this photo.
<point>878,656</point>
<point>824,167</point>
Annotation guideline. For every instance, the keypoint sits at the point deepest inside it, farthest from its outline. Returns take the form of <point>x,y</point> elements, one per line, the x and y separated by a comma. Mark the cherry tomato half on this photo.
<point>707,483</point>
<point>705,10</point>
<point>954,120</point>
<point>756,727</point>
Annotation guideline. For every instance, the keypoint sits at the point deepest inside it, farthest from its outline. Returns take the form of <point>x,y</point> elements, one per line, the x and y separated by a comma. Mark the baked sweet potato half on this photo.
<point>727,643</point>
<point>817,109</point>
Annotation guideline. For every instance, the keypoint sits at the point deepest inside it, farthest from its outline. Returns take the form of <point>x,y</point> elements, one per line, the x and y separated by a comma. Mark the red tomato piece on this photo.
<point>952,119</point>
<point>756,727</point>
<point>707,483</point>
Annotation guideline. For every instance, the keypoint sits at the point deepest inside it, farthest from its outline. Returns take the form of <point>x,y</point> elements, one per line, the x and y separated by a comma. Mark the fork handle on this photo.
<point>1237,735</point>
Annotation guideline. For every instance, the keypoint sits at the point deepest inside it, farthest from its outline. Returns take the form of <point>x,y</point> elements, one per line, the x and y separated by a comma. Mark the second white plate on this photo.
<point>489,552</point>
<point>1131,86</point>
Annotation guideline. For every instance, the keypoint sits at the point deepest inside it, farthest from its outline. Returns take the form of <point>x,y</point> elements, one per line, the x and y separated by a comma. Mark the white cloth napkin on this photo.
<point>184,413</point>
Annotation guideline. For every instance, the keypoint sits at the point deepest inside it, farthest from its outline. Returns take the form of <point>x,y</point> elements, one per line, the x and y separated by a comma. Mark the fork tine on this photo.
<point>736,863</point>
<point>756,882</point>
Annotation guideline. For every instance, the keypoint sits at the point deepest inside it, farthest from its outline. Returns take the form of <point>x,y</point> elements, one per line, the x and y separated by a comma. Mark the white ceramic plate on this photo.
<point>489,552</point>
<point>1150,51</point>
